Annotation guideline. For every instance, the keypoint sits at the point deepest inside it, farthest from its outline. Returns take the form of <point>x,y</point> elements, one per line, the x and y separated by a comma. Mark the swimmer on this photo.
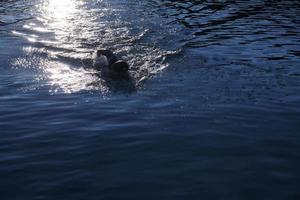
<point>106,60</point>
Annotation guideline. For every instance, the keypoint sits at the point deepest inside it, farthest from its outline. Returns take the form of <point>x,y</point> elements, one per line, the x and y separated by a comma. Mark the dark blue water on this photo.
<point>211,109</point>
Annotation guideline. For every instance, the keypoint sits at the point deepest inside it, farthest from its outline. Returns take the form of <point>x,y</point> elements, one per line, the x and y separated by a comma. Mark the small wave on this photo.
<point>12,12</point>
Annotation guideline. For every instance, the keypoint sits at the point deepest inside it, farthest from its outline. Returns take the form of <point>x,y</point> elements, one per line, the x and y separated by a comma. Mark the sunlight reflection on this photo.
<point>59,77</point>
<point>63,78</point>
<point>62,17</point>
<point>65,33</point>
<point>60,9</point>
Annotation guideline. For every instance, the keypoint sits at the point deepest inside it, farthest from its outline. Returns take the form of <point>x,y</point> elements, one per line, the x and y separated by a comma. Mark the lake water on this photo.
<point>211,109</point>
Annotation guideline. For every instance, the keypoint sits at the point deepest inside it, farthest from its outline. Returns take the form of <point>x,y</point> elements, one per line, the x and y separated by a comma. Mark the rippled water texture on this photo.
<point>210,109</point>
<point>63,35</point>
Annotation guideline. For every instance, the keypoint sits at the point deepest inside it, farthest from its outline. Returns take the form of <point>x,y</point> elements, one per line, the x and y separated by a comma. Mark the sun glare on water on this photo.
<point>62,37</point>
<point>61,17</point>
<point>53,40</point>
<point>60,9</point>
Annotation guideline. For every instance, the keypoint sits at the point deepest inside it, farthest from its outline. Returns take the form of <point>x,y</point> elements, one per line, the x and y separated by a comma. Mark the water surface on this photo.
<point>211,109</point>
